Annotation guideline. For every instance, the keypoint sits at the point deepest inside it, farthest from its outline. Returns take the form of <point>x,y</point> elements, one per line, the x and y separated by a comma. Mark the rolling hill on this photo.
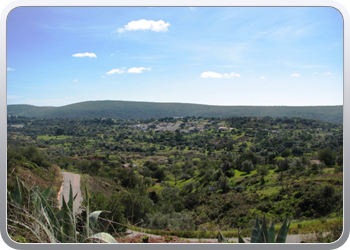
<point>146,110</point>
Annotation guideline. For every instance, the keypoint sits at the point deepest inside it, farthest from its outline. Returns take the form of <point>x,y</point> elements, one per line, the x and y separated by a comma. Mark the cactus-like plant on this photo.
<point>59,227</point>
<point>221,238</point>
<point>262,234</point>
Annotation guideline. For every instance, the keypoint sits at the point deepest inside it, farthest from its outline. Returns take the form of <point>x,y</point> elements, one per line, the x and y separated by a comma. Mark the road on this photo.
<point>74,179</point>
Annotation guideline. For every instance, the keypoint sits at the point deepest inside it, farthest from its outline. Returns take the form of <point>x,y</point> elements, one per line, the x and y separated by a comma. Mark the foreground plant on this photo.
<point>260,234</point>
<point>29,210</point>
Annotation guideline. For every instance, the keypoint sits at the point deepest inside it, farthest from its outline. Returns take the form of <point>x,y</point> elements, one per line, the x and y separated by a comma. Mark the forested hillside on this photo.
<point>146,110</point>
<point>191,174</point>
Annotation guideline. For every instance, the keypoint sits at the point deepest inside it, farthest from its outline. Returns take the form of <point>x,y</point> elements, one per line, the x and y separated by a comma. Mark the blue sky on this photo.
<point>287,56</point>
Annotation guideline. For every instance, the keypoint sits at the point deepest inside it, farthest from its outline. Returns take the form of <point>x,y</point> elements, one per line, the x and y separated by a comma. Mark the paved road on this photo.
<point>74,179</point>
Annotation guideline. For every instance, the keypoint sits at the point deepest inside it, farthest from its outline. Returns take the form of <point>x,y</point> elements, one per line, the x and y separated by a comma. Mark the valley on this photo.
<point>190,176</point>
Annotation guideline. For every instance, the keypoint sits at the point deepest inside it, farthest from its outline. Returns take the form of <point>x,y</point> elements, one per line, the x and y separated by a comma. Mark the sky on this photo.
<point>266,56</point>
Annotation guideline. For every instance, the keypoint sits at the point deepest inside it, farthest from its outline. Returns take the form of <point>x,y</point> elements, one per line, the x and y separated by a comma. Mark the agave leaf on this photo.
<point>93,218</point>
<point>59,216</point>
<point>46,192</point>
<point>263,232</point>
<point>51,231</point>
<point>17,194</point>
<point>68,226</point>
<point>75,196</point>
<point>70,201</point>
<point>105,237</point>
<point>35,202</point>
<point>255,231</point>
<point>221,237</point>
<point>240,239</point>
<point>87,225</point>
<point>53,220</point>
<point>271,234</point>
<point>282,233</point>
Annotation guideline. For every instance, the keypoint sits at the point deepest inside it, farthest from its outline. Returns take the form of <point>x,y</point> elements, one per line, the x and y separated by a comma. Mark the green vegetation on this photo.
<point>30,215</point>
<point>261,234</point>
<point>188,176</point>
<point>148,110</point>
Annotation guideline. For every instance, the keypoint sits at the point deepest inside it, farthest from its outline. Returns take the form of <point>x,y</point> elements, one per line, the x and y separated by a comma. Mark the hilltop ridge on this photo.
<point>146,110</point>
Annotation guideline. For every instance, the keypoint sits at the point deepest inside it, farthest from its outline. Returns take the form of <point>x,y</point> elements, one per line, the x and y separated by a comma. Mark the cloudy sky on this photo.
<point>220,56</point>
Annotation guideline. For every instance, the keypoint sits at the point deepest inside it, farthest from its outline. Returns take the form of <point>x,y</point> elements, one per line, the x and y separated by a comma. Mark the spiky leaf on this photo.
<point>87,225</point>
<point>221,237</point>
<point>282,233</point>
<point>68,226</point>
<point>263,232</point>
<point>17,194</point>
<point>50,216</point>
<point>240,239</point>
<point>46,192</point>
<point>271,234</point>
<point>93,218</point>
<point>255,231</point>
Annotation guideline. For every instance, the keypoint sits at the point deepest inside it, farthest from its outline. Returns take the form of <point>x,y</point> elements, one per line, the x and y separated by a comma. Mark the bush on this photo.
<point>182,221</point>
<point>319,201</point>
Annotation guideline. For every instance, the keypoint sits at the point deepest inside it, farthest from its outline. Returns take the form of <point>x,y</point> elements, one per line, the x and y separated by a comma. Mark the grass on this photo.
<point>296,227</point>
<point>48,137</point>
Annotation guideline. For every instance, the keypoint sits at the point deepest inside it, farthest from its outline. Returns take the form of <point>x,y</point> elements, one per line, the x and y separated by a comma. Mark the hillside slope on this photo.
<point>146,110</point>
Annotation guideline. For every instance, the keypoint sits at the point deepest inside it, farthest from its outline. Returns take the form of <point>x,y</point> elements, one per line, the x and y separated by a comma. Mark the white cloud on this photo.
<point>116,71</point>
<point>263,77</point>
<point>295,75</point>
<point>131,70</point>
<point>315,73</point>
<point>10,69</point>
<point>211,74</point>
<point>327,73</point>
<point>157,26</point>
<point>75,80</point>
<point>193,9</point>
<point>137,70</point>
<point>86,54</point>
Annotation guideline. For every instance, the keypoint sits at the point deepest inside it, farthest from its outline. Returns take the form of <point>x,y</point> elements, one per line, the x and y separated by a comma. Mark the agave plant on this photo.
<point>262,234</point>
<point>221,238</point>
<point>48,226</point>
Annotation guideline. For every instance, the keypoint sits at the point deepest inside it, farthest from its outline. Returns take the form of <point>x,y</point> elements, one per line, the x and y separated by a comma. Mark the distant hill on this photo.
<point>146,110</point>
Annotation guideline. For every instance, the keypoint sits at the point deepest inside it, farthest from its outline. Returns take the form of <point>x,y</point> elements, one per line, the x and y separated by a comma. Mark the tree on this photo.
<point>247,166</point>
<point>224,184</point>
<point>327,156</point>
<point>282,166</point>
<point>159,174</point>
<point>247,156</point>
<point>59,131</point>
<point>262,171</point>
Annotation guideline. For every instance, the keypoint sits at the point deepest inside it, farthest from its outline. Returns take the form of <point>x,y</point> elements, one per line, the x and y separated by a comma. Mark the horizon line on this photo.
<point>221,105</point>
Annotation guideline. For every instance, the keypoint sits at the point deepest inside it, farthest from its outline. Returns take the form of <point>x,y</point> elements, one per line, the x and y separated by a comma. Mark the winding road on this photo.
<point>74,179</point>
